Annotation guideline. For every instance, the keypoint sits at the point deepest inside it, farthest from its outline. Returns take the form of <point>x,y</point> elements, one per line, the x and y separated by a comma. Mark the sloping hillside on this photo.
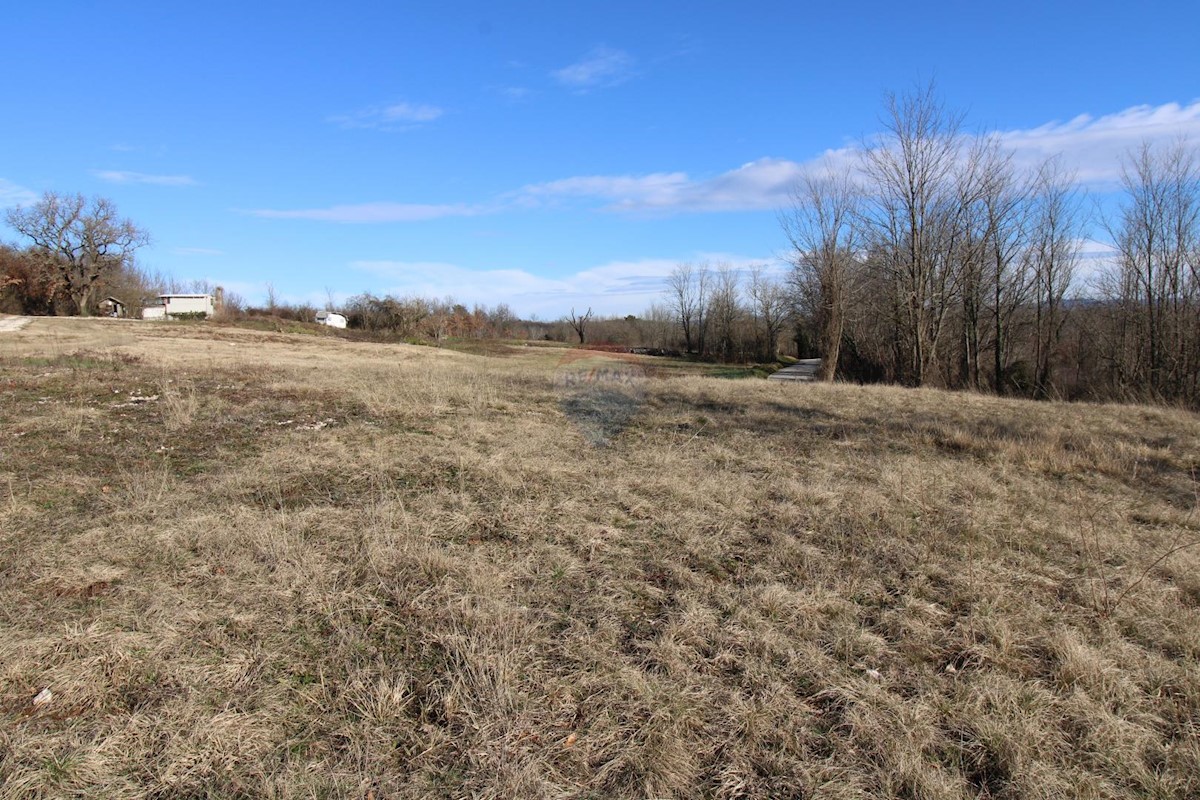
<point>245,564</point>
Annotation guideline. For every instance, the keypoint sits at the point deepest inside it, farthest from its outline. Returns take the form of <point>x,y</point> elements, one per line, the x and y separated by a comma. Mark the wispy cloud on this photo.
<point>603,66</point>
<point>198,251</point>
<point>615,287</point>
<point>393,117</point>
<point>374,212</point>
<point>122,176</point>
<point>1095,146</point>
<point>760,184</point>
<point>12,194</point>
<point>1095,259</point>
<point>514,93</point>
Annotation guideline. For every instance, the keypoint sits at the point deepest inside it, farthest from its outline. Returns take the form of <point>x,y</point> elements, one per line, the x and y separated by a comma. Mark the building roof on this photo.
<point>165,296</point>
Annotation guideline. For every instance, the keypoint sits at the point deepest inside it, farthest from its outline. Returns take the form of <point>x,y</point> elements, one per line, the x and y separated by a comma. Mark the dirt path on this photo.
<point>12,323</point>
<point>804,370</point>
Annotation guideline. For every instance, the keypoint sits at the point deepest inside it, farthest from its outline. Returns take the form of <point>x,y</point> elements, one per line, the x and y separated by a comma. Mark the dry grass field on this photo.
<point>247,564</point>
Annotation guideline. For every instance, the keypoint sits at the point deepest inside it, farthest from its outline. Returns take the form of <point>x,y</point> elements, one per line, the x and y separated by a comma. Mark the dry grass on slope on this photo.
<point>324,569</point>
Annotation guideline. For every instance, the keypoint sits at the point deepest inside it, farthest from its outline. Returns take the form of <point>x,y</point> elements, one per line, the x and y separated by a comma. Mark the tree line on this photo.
<point>937,260</point>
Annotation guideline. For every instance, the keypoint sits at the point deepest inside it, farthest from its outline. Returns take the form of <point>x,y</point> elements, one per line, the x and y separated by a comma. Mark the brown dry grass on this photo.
<point>318,568</point>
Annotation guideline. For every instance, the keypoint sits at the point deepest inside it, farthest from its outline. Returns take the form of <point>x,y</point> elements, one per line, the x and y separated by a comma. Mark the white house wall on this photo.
<point>190,305</point>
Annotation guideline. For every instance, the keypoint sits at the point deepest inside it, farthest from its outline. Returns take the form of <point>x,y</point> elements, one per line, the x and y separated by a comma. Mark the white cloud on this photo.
<point>760,184</point>
<point>12,194</point>
<point>393,117</point>
<point>374,212</point>
<point>603,66</point>
<point>616,287</point>
<point>1095,258</point>
<point>1094,249</point>
<point>1095,146</point>
<point>515,93</point>
<point>120,176</point>
<point>614,188</point>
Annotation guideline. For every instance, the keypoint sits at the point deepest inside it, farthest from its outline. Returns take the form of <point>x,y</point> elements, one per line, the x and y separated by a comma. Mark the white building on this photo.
<point>331,318</point>
<point>173,305</point>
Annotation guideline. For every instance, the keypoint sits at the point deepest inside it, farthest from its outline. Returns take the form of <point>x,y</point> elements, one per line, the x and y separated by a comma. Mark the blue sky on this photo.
<point>548,154</point>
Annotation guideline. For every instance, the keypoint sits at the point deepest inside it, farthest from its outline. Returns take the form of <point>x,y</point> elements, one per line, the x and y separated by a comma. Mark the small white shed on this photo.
<point>331,318</point>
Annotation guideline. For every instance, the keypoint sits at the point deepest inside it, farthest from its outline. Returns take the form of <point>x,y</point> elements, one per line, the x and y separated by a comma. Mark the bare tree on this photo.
<point>1157,236</point>
<point>821,227</point>
<point>78,240</point>
<point>1053,253</point>
<point>1004,201</point>
<point>579,323</point>
<point>725,310</point>
<point>771,308</point>
<point>689,287</point>
<point>660,326</point>
<point>971,258</point>
<point>910,215</point>
<point>504,320</point>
